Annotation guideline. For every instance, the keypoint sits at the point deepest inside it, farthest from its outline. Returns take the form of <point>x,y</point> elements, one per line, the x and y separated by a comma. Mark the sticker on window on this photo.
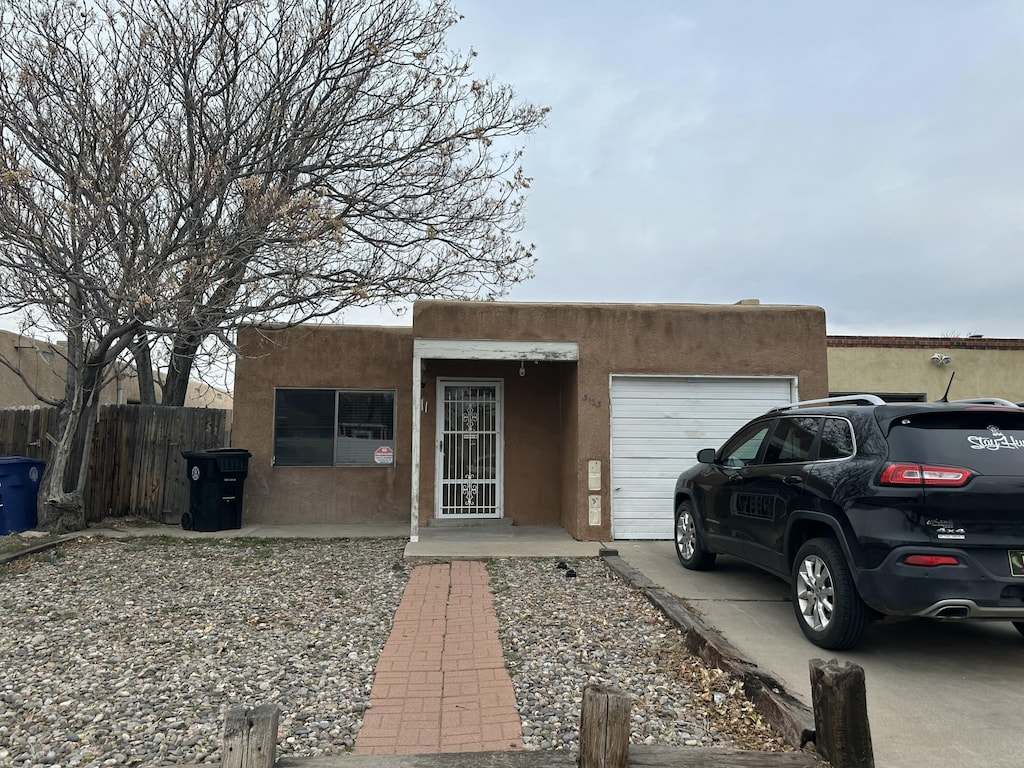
<point>995,442</point>
<point>384,455</point>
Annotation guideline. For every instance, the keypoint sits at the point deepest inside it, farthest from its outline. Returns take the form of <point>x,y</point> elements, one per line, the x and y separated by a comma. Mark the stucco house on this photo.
<point>41,366</point>
<point>578,415</point>
<point>923,367</point>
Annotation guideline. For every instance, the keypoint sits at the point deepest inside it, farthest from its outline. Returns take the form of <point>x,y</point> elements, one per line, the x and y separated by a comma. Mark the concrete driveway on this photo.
<point>939,694</point>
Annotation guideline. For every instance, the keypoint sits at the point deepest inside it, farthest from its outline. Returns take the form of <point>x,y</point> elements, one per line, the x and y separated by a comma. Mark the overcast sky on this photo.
<point>866,157</point>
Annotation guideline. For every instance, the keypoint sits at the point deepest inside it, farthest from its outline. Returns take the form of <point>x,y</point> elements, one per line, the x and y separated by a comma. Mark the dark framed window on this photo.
<point>836,439</point>
<point>791,440</point>
<point>334,427</point>
<point>742,450</point>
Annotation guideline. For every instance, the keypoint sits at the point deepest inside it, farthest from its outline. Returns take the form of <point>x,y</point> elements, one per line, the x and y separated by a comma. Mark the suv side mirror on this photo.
<point>706,456</point>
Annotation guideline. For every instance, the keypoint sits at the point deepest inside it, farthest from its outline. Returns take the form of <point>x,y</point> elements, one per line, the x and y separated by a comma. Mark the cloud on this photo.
<point>864,157</point>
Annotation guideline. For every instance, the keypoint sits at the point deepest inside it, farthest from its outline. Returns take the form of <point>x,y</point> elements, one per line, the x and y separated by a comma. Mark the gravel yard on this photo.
<point>129,651</point>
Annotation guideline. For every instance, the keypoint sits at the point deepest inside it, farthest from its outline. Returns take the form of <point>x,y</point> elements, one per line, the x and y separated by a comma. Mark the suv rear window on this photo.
<point>988,442</point>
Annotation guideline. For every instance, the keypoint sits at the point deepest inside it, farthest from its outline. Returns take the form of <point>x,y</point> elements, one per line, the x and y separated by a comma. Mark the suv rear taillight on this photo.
<point>925,474</point>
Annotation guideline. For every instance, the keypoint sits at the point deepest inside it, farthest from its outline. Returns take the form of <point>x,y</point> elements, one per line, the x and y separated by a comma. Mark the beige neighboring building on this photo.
<point>578,415</point>
<point>43,365</point>
<point>920,367</point>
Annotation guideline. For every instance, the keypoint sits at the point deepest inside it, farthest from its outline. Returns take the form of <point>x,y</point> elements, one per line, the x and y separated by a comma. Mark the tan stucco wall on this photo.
<point>634,339</point>
<point>980,371</point>
<point>44,367</point>
<point>41,364</point>
<point>329,357</point>
<point>556,416</point>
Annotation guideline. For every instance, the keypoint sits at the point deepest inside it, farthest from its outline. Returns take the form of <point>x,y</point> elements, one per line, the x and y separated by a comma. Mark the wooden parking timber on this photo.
<point>604,728</point>
<point>250,741</point>
<point>839,697</point>
<point>790,718</point>
<point>841,735</point>
<point>250,737</point>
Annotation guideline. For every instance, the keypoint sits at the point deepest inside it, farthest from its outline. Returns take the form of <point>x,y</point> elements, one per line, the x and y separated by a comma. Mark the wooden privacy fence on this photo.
<point>135,465</point>
<point>23,431</point>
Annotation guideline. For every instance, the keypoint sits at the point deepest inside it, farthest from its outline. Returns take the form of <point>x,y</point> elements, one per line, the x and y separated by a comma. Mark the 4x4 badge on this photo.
<point>946,529</point>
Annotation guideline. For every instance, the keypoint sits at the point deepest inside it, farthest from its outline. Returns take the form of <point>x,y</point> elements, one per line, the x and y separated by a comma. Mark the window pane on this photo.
<point>304,427</point>
<point>836,440</point>
<point>791,440</point>
<point>366,427</point>
<point>988,442</point>
<point>742,450</point>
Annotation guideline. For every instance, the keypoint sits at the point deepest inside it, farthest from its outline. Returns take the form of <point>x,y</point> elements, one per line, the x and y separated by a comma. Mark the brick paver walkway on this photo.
<point>440,684</point>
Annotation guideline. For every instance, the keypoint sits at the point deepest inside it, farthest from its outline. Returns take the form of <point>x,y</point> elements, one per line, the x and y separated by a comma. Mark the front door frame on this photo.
<point>467,349</point>
<point>499,455</point>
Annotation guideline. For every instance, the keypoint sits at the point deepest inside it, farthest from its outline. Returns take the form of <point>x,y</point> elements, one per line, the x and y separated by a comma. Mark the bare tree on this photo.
<point>171,169</point>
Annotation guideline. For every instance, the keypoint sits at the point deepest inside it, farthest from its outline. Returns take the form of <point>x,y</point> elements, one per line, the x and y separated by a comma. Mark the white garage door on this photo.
<point>658,425</point>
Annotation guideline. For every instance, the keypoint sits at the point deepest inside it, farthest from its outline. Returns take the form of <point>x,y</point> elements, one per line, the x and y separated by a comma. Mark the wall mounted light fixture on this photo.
<point>941,359</point>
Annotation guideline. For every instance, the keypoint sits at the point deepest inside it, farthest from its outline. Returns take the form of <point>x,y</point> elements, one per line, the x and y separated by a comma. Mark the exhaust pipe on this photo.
<point>954,612</point>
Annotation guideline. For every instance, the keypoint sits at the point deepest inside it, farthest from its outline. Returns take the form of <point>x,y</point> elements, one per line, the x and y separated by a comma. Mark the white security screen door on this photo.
<point>469,449</point>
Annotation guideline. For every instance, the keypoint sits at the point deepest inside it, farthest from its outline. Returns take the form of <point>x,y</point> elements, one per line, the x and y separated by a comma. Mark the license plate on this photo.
<point>1017,562</point>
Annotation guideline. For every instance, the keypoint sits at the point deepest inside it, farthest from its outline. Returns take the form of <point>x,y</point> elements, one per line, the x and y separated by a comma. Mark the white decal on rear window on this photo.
<point>994,443</point>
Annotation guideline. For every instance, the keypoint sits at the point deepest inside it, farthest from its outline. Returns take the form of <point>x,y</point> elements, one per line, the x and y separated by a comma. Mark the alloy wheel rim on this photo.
<point>686,535</point>
<point>815,593</point>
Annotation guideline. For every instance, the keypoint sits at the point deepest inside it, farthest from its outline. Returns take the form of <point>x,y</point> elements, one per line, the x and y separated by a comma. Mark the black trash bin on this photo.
<point>216,486</point>
<point>19,489</point>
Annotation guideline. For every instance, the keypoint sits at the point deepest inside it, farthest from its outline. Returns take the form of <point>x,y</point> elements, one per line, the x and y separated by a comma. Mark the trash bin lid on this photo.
<point>20,460</point>
<point>211,453</point>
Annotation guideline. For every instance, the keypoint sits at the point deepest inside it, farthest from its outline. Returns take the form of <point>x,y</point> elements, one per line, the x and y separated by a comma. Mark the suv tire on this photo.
<point>825,600</point>
<point>689,542</point>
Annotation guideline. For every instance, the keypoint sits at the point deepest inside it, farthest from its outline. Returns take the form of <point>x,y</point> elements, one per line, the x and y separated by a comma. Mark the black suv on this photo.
<point>868,510</point>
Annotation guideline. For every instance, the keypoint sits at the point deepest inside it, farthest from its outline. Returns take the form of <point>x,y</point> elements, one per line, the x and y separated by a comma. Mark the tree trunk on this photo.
<point>64,512</point>
<point>59,510</point>
<point>179,370</point>
<point>61,504</point>
<point>144,369</point>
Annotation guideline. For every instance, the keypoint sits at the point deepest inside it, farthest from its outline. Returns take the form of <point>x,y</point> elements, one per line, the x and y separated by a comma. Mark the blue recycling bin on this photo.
<point>19,488</point>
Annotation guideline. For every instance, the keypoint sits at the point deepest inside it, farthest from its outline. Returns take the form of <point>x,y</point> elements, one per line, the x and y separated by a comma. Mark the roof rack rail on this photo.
<point>848,399</point>
<point>989,401</point>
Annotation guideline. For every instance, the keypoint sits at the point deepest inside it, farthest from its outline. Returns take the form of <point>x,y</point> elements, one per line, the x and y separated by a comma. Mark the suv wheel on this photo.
<point>828,608</point>
<point>689,543</point>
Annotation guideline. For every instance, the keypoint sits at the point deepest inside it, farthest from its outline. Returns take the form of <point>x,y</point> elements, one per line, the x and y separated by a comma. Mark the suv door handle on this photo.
<point>792,480</point>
